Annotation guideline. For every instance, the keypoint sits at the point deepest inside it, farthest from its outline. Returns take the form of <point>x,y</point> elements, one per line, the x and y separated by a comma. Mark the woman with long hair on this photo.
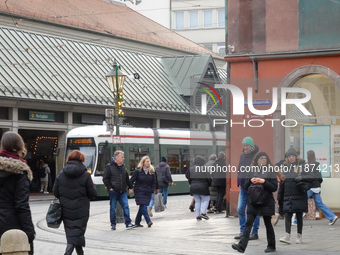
<point>261,178</point>
<point>74,187</point>
<point>144,179</point>
<point>15,178</point>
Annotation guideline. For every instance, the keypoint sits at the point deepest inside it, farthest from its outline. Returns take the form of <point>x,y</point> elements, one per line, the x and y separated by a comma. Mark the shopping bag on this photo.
<point>54,214</point>
<point>159,206</point>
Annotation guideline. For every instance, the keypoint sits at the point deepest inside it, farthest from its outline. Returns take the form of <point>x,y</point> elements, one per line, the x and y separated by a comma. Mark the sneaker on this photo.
<point>150,212</point>
<point>285,239</point>
<point>113,227</point>
<point>275,219</point>
<point>41,191</point>
<point>298,239</point>
<point>237,247</point>
<point>270,250</point>
<point>238,236</point>
<point>253,236</point>
<point>333,221</point>
<point>130,226</point>
<point>204,216</point>
<point>198,218</point>
<point>46,192</point>
<point>150,224</point>
<point>191,208</point>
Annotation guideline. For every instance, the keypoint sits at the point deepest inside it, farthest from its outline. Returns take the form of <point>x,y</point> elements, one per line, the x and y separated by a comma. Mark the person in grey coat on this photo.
<point>74,187</point>
<point>164,179</point>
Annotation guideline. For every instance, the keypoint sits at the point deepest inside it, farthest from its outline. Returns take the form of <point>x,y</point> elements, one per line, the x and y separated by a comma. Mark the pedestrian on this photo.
<point>294,199</point>
<point>219,180</point>
<point>164,179</point>
<point>261,181</point>
<point>145,180</point>
<point>246,158</point>
<point>314,192</point>
<point>44,171</point>
<point>116,180</point>
<point>74,188</point>
<point>200,181</point>
<point>210,165</point>
<point>281,178</point>
<point>15,178</point>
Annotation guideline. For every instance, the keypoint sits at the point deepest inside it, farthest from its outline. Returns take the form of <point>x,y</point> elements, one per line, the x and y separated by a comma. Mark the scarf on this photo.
<point>13,155</point>
<point>146,170</point>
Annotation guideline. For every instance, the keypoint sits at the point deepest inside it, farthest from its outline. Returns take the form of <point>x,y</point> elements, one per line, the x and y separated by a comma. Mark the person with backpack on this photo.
<point>44,171</point>
<point>164,179</point>
<point>260,184</point>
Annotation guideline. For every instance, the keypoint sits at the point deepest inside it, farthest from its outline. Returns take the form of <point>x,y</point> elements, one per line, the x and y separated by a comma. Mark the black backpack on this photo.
<point>42,172</point>
<point>257,194</point>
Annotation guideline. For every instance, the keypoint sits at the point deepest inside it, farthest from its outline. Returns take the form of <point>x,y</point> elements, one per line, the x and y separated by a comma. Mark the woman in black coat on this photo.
<point>294,199</point>
<point>261,173</point>
<point>145,181</point>
<point>15,177</point>
<point>74,187</point>
<point>200,180</point>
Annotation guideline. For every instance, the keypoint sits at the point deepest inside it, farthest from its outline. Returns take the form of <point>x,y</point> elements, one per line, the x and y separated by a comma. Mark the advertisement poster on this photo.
<point>317,138</point>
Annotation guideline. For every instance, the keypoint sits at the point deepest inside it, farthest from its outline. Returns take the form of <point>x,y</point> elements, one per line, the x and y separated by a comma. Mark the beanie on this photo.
<point>248,140</point>
<point>163,159</point>
<point>291,151</point>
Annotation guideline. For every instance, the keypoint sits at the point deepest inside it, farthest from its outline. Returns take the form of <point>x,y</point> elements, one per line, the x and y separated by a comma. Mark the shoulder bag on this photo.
<point>54,214</point>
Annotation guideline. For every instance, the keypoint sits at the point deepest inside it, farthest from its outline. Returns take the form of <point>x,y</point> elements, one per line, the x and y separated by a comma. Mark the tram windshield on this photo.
<point>86,146</point>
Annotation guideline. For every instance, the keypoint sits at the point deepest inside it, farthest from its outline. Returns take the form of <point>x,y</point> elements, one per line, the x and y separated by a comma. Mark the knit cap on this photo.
<point>248,140</point>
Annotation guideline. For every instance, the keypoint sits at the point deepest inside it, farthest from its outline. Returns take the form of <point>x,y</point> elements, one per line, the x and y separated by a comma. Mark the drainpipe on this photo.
<point>256,74</point>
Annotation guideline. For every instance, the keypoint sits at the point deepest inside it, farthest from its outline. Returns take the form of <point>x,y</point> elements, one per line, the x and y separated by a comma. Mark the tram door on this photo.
<point>136,154</point>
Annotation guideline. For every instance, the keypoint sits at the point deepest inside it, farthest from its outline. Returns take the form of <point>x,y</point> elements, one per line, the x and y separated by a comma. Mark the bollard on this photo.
<point>119,214</point>
<point>14,242</point>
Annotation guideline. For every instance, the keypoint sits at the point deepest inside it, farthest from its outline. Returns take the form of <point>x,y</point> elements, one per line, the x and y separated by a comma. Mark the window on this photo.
<point>221,48</point>
<point>207,19</point>
<point>179,20</point>
<point>178,160</point>
<point>208,46</point>
<point>193,19</point>
<point>221,18</point>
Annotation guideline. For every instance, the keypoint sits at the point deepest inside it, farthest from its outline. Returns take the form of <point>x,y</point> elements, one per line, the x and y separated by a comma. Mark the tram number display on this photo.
<point>81,141</point>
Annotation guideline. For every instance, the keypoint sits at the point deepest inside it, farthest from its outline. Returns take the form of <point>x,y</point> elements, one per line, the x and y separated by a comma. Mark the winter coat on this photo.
<point>199,181</point>
<point>245,160</point>
<point>74,187</point>
<point>15,213</point>
<point>47,171</point>
<point>219,176</point>
<point>268,208</point>
<point>294,200</point>
<point>163,174</point>
<point>145,185</point>
<point>315,174</point>
<point>116,177</point>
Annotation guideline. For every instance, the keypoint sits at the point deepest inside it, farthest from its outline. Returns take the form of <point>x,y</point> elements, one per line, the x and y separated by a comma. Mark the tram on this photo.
<point>178,146</point>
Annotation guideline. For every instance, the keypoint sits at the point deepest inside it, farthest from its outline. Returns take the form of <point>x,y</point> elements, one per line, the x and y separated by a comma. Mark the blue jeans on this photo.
<point>123,200</point>
<point>152,201</point>
<point>318,203</point>
<point>241,208</point>
<point>164,191</point>
<point>201,199</point>
<point>142,211</point>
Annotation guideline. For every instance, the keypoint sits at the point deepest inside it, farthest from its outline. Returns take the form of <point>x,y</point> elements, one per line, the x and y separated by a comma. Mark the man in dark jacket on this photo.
<point>164,179</point>
<point>116,180</point>
<point>219,180</point>
<point>249,151</point>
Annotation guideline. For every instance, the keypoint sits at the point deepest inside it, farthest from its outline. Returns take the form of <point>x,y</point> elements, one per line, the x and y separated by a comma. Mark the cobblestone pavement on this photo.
<point>176,231</point>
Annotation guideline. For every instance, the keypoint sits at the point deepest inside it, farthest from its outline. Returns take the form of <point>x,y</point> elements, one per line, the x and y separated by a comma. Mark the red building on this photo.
<point>284,44</point>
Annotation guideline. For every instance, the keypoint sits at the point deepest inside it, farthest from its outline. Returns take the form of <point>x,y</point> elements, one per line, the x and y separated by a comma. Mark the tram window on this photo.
<point>136,155</point>
<point>104,157</point>
<point>178,160</point>
<point>86,146</point>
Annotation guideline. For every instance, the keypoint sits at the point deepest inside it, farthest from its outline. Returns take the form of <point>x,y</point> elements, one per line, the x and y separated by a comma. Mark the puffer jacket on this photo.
<point>74,187</point>
<point>116,177</point>
<point>294,200</point>
<point>199,181</point>
<point>163,174</point>
<point>15,213</point>
<point>145,184</point>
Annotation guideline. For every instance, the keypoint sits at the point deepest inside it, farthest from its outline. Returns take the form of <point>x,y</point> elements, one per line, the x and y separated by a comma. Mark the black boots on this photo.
<point>70,248</point>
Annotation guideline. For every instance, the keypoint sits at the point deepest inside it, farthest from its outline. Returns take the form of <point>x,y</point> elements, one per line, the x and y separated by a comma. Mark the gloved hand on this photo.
<point>299,178</point>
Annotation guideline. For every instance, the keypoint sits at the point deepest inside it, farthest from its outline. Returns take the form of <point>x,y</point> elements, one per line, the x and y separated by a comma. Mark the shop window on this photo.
<point>4,113</point>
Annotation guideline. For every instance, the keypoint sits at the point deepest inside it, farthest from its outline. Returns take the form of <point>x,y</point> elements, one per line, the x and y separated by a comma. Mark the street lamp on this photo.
<point>115,80</point>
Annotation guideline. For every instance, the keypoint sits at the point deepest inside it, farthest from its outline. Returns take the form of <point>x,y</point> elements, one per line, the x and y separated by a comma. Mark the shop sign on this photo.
<point>42,116</point>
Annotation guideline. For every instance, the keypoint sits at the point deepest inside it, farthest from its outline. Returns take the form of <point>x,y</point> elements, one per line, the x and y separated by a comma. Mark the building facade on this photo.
<point>282,46</point>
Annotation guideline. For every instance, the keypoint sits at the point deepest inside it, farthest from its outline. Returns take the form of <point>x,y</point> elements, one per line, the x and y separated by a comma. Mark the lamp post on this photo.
<point>115,80</point>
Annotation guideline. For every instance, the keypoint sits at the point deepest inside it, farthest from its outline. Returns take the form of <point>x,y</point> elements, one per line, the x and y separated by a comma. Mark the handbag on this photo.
<point>54,214</point>
<point>257,194</point>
